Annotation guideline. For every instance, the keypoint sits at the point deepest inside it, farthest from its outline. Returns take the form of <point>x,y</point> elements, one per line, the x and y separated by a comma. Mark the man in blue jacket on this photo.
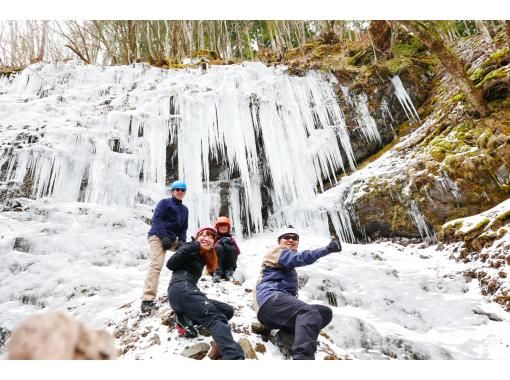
<point>276,294</point>
<point>168,231</point>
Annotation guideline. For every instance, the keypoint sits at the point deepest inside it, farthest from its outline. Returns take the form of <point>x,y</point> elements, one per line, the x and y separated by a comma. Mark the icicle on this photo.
<point>404,99</point>
<point>365,120</point>
<point>445,183</point>
<point>111,145</point>
<point>420,222</point>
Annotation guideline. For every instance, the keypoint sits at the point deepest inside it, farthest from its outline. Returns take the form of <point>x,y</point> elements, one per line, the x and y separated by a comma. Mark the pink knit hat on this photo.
<point>209,228</point>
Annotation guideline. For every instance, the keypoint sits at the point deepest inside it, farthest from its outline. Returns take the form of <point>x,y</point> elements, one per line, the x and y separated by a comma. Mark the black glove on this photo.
<point>167,242</point>
<point>226,240</point>
<point>334,246</point>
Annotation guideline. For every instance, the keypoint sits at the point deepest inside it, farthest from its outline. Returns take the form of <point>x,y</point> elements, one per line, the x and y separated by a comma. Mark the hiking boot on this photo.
<point>216,277</point>
<point>284,341</point>
<point>184,326</point>
<point>147,306</point>
<point>215,353</point>
<point>229,275</point>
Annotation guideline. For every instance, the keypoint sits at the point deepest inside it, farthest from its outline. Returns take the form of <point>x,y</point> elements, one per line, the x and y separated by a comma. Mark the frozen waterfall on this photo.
<point>101,135</point>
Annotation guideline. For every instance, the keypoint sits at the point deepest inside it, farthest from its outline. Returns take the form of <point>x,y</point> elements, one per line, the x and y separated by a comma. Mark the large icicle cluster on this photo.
<point>100,134</point>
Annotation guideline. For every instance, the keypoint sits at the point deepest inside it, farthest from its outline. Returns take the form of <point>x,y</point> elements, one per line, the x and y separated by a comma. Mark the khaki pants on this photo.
<point>157,258</point>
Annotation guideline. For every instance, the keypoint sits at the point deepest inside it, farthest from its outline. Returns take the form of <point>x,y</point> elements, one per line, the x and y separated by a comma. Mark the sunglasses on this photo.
<point>290,237</point>
<point>179,190</point>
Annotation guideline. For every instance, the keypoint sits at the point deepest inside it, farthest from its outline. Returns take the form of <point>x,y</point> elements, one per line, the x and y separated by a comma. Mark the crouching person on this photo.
<point>276,294</point>
<point>187,300</point>
<point>227,251</point>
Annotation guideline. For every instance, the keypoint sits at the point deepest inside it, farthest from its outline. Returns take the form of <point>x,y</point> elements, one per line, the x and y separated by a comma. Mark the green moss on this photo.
<point>497,56</point>
<point>409,48</point>
<point>483,139</point>
<point>458,97</point>
<point>399,64</point>
<point>209,54</point>
<point>441,142</point>
<point>503,216</point>
<point>438,154</point>
<point>502,72</point>
<point>477,75</point>
<point>478,226</point>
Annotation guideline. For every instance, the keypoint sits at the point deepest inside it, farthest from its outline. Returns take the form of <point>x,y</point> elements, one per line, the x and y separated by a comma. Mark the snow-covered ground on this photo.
<point>392,301</point>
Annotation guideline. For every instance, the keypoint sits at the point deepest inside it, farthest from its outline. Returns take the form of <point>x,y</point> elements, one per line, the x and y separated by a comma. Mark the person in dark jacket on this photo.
<point>227,251</point>
<point>186,299</point>
<point>168,231</point>
<point>276,299</point>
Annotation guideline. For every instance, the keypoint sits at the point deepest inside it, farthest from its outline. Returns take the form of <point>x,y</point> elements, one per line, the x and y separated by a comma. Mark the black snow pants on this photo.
<point>227,259</point>
<point>304,321</point>
<point>185,298</point>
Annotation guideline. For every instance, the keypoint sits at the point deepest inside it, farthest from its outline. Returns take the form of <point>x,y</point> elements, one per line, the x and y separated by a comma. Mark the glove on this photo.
<point>334,246</point>
<point>225,240</point>
<point>166,242</point>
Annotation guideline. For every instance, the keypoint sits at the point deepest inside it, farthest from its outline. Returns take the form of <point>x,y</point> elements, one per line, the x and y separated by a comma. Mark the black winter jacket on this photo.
<point>186,263</point>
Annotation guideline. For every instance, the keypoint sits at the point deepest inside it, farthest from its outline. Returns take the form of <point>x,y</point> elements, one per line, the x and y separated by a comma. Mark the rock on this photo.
<point>167,319</point>
<point>155,339</point>
<point>214,353</point>
<point>197,351</point>
<point>4,335</point>
<point>491,316</point>
<point>249,352</point>
<point>58,335</point>
<point>260,347</point>
<point>120,332</point>
<point>146,332</point>
<point>21,244</point>
<point>259,328</point>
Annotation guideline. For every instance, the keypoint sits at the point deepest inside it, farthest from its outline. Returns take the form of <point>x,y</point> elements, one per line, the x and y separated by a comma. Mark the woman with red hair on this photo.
<point>188,301</point>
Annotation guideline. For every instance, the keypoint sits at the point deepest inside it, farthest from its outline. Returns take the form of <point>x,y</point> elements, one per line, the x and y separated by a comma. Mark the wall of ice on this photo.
<point>100,134</point>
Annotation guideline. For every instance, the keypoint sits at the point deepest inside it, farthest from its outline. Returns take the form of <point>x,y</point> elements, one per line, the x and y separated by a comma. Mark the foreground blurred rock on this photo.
<point>58,335</point>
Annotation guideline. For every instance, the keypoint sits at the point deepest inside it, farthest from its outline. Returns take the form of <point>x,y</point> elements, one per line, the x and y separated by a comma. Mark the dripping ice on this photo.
<point>103,134</point>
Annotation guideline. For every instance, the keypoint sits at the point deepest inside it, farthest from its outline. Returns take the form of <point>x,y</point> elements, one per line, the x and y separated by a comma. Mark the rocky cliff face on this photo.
<point>449,165</point>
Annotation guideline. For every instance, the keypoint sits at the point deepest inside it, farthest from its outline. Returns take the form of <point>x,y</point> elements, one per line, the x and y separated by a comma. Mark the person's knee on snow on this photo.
<point>308,324</point>
<point>326,314</point>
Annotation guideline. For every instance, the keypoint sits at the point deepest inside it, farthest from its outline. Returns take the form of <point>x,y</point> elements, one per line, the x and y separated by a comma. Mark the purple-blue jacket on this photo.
<point>278,273</point>
<point>170,219</point>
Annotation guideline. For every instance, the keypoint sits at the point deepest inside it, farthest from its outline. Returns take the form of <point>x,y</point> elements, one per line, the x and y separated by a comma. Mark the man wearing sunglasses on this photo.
<point>168,231</point>
<point>276,299</point>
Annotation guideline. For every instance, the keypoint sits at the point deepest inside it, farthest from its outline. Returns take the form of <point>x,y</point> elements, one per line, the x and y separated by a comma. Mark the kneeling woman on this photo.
<point>185,297</point>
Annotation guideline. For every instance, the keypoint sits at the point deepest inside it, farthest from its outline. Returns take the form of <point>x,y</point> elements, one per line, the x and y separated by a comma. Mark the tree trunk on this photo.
<point>42,47</point>
<point>507,28</point>
<point>380,33</point>
<point>484,32</point>
<point>452,64</point>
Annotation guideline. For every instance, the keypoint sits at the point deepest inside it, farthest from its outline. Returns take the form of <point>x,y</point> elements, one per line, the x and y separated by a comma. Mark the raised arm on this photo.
<point>183,255</point>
